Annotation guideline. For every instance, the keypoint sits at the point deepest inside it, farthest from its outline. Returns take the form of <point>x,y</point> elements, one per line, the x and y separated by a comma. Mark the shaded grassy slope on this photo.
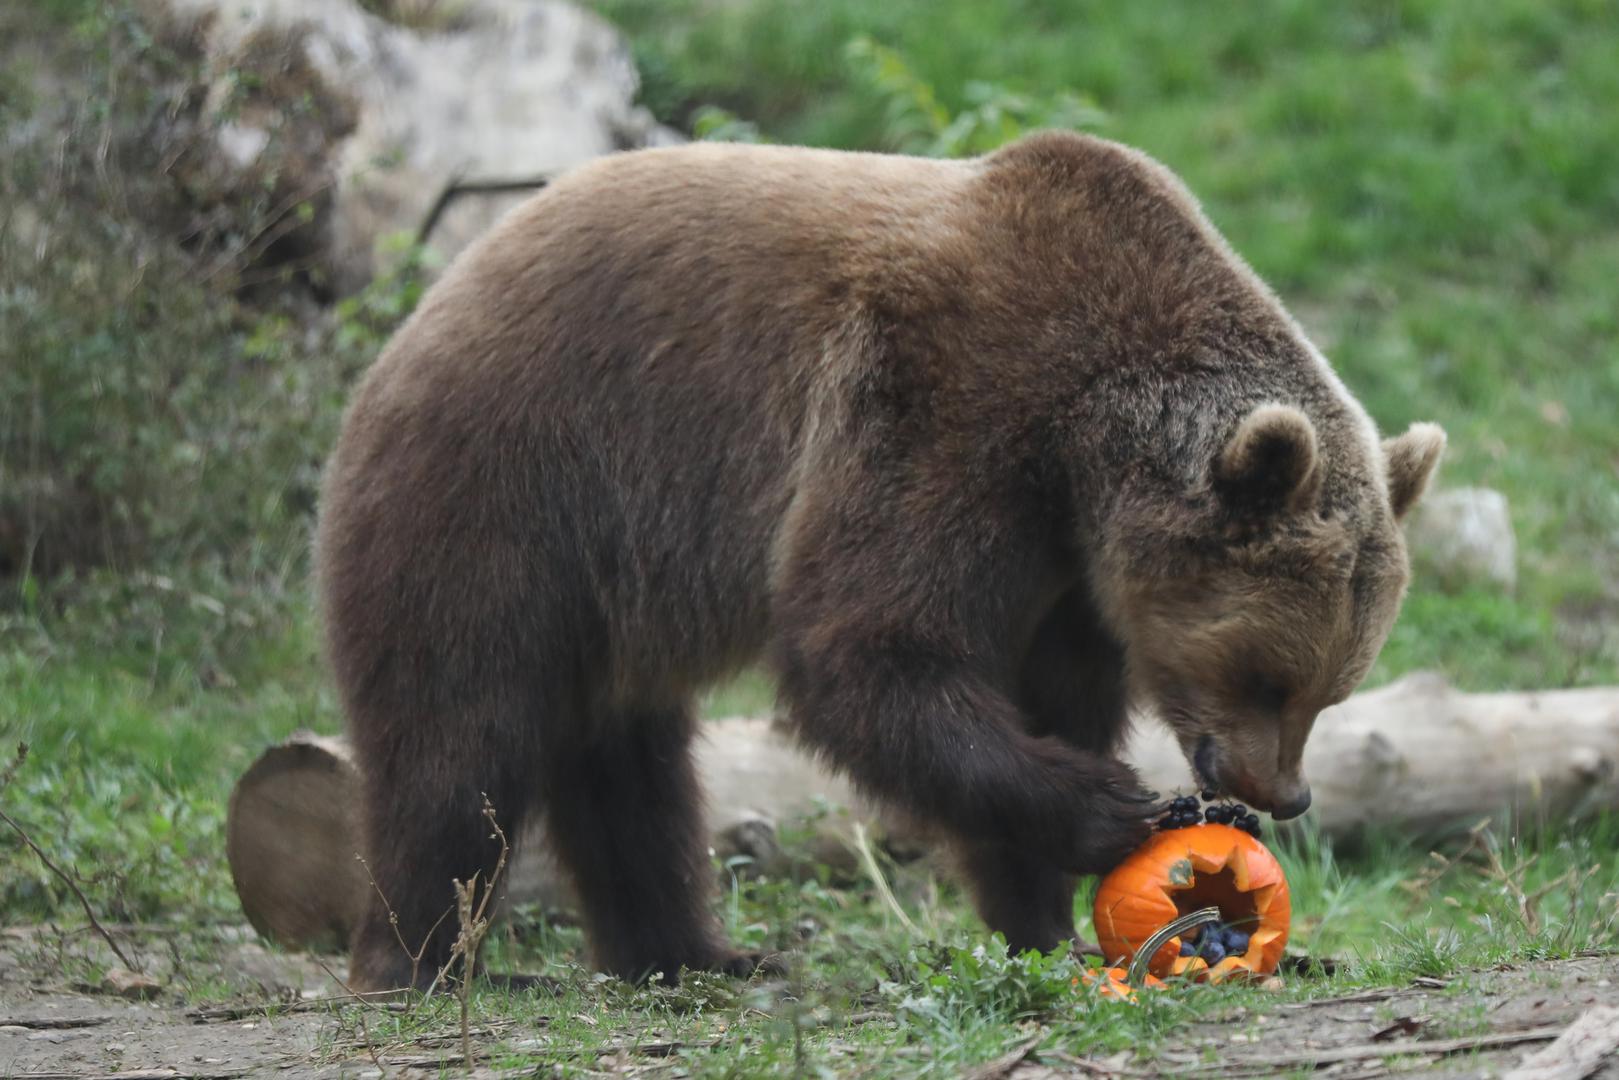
<point>1434,187</point>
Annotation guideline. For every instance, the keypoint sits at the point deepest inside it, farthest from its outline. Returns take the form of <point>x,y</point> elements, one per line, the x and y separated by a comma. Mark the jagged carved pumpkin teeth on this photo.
<point>1114,982</point>
<point>1181,870</point>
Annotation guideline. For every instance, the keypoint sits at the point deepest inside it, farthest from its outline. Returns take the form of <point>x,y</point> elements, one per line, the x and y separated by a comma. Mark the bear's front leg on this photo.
<point>909,588</point>
<point>913,713</point>
<point>1022,895</point>
<point>930,734</point>
<point>1071,687</point>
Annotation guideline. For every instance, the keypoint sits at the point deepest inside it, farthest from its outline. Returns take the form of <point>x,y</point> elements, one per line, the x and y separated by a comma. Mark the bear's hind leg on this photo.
<point>624,813</point>
<point>425,828</point>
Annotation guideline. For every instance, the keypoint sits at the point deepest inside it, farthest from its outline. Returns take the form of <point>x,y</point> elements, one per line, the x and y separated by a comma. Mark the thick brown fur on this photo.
<point>960,447</point>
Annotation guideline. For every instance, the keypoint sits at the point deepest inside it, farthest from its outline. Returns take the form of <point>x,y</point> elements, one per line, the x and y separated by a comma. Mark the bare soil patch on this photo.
<point>233,1009</point>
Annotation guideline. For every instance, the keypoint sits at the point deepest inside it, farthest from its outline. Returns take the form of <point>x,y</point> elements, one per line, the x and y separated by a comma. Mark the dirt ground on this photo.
<point>52,1025</point>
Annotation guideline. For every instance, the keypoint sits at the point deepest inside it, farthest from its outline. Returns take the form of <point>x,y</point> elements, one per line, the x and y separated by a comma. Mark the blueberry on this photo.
<point>1212,952</point>
<point>1237,943</point>
<point>1238,810</point>
<point>1250,822</point>
<point>1220,815</point>
<point>1187,948</point>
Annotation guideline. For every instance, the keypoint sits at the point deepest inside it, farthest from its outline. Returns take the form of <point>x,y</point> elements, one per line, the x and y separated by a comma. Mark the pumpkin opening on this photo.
<point>1222,884</point>
<point>1219,889</point>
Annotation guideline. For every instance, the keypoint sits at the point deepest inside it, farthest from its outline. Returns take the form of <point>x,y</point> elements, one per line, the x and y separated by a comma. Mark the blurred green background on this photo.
<point>1432,187</point>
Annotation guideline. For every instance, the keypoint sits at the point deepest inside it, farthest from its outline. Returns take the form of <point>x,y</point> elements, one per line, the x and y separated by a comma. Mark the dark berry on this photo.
<point>1188,948</point>
<point>1220,815</point>
<point>1236,943</point>
<point>1212,952</point>
<point>1210,796</point>
<point>1250,822</point>
<point>1238,810</point>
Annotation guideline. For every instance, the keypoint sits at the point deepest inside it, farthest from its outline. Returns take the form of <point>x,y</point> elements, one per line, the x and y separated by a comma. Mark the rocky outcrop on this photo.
<point>1463,536</point>
<point>358,122</point>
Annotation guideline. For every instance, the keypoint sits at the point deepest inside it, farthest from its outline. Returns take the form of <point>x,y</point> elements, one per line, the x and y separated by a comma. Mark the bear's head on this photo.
<point>1263,590</point>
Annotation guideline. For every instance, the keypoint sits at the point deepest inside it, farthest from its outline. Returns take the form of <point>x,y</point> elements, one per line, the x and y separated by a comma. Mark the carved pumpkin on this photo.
<point>1181,870</point>
<point>1114,982</point>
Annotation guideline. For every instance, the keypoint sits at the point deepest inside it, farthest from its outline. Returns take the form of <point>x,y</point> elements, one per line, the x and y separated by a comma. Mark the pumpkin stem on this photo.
<point>1190,921</point>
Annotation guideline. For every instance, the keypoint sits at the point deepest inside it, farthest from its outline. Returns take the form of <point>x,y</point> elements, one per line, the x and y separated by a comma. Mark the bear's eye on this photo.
<point>1266,692</point>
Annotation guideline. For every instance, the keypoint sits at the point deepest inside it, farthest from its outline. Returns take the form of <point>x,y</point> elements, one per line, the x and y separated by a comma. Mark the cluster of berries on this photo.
<point>1185,810</point>
<point>1214,943</point>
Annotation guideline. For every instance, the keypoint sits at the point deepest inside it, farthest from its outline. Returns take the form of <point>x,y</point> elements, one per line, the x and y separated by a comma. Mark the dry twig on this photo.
<point>472,913</point>
<point>1327,1055</point>
<point>456,188</point>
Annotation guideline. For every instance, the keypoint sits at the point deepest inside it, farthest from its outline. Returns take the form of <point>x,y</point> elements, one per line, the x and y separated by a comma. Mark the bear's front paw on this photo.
<point>1116,817</point>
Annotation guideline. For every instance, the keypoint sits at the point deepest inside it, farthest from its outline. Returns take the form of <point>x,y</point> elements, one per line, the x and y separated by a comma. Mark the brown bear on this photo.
<point>976,454</point>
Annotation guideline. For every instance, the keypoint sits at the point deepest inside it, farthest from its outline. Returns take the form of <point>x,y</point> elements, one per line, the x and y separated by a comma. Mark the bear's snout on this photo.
<point>1283,798</point>
<point>1294,805</point>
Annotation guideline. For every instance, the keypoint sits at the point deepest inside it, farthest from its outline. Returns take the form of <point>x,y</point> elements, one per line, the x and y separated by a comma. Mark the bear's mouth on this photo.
<point>1204,766</point>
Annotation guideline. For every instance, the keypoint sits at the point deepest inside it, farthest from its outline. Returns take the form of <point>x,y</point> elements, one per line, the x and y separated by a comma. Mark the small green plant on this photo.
<point>918,123</point>
<point>714,124</point>
<point>985,978</point>
<point>365,321</point>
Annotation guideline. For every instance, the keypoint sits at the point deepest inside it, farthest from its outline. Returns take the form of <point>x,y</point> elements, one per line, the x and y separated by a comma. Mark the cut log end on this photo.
<point>290,842</point>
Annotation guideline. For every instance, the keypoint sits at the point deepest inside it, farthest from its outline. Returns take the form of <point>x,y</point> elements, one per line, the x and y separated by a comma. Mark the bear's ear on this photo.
<point>1271,461</point>
<point>1412,458</point>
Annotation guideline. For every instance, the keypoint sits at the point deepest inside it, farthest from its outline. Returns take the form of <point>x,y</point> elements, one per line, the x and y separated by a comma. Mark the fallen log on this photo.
<point>1414,754</point>
<point>1421,755</point>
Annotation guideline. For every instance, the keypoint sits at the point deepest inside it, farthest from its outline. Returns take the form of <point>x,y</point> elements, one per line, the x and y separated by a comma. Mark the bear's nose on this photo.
<point>1293,807</point>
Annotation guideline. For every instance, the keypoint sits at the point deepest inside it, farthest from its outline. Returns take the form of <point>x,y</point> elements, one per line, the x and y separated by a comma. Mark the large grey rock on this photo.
<point>500,89</point>
<point>1464,536</point>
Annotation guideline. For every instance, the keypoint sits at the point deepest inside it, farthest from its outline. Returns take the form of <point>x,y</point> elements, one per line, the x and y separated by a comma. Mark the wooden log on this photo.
<point>1415,754</point>
<point>289,839</point>
<point>1422,755</point>
<point>291,830</point>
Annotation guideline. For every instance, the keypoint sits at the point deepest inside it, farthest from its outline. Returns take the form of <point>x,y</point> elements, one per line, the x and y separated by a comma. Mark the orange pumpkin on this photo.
<point>1114,982</point>
<point>1181,870</point>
